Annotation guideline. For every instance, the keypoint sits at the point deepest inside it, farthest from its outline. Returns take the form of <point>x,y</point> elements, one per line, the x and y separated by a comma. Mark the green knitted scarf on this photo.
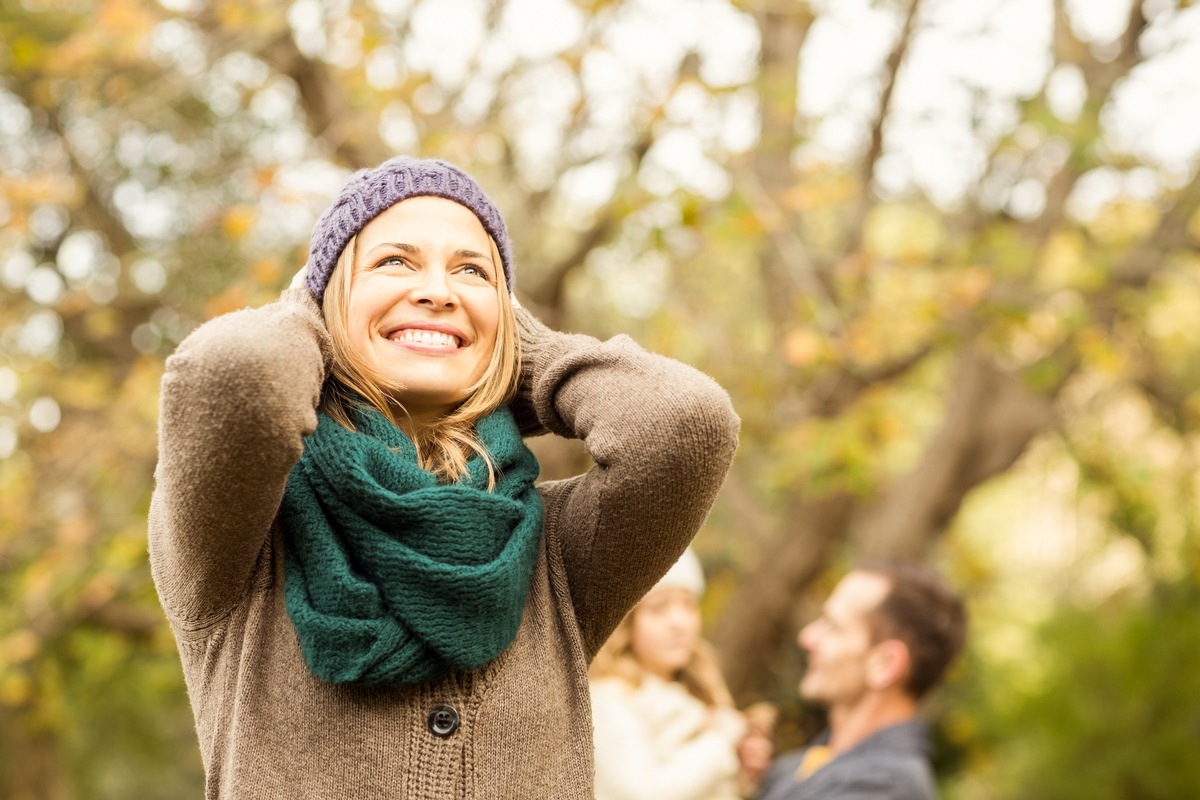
<point>393,577</point>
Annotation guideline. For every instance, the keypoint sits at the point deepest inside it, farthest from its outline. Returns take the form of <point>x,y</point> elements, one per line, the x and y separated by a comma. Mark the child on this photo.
<point>666,727</point>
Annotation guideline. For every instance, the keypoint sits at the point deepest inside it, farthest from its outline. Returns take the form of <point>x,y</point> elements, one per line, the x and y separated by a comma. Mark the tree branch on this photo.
<point>866,197</point>
<point>330,118</point>
<point>1142,261</point>
<point>757,618</point>
<point>990,419</point>
<point>95,208</point>
<point>785,264</point>
<point>835,393</point>
<point>788,268</point>
<point>552,292</point>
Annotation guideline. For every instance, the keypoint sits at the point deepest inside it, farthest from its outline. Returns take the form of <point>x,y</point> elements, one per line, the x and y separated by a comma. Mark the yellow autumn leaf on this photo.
<point>1098,351</point>
<point>1194,225</point>
<point>102,322</point>
<point>20,646</point>
<point>904,233</point>
<point>802,347</point>
<point>15,689</point>
<point>237,220</point>
<point>39,189</point>
<point>266,272</point>
<point>231,299</point>
<point>968,287</point>
<point>1065,263</point>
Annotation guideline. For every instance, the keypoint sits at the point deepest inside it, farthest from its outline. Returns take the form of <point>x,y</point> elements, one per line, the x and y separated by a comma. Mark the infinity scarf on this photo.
<point>393,577</point>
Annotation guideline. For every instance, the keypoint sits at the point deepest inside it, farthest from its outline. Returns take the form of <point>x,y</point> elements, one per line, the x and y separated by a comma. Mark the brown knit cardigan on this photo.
<point>237,398</point>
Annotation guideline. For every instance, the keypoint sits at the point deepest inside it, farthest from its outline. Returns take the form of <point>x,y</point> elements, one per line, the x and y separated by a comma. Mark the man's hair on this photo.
<point>922,611</point>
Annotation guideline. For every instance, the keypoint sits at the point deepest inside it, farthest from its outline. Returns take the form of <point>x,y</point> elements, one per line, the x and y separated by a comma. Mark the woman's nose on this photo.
<point>434,289</point>
<point>684,619</point>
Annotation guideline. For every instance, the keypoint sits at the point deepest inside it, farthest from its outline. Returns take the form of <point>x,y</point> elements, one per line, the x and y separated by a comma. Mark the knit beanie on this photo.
<point>370,192</point>
<point>686,573</point>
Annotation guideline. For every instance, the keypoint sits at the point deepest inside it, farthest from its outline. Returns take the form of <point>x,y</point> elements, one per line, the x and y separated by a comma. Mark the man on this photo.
<point>884,638</point>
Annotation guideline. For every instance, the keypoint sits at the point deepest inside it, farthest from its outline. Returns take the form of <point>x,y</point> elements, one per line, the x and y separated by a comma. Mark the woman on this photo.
<point>666,728</point>
<point>370,596</point>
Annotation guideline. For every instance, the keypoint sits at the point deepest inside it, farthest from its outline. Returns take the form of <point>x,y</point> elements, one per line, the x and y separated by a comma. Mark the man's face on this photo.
<point>839,643</point>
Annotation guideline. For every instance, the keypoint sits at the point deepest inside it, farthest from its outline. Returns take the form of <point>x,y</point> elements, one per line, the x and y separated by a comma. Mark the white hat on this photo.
<point>686,573</point>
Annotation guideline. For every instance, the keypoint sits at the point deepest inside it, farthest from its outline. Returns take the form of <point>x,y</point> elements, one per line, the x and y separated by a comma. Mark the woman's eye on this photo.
<point>392,261</point>
<point>475,271</point>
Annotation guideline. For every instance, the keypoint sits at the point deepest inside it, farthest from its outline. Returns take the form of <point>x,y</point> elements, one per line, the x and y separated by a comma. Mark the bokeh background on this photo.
<point>942,253</point>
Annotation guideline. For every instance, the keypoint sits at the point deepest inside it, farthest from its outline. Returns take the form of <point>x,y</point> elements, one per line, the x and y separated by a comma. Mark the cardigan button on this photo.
<point>443,721</point>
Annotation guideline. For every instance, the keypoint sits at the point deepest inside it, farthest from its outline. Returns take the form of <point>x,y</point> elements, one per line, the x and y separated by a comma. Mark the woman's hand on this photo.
<point>756,749</point>
<point>729,723</point>
<point>532,333</point>
<point>298,280</point>
<point>755,752</point>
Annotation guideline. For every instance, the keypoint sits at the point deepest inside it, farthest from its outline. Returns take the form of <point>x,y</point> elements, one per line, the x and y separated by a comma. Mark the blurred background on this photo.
<point>942,253</point>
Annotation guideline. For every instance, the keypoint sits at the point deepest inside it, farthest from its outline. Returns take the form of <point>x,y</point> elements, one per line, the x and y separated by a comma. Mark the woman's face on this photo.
<point>424,305</point>
<point>666,630</point>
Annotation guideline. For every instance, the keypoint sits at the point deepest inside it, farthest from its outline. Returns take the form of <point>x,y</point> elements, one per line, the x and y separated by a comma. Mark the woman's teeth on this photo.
<point>424,337</point>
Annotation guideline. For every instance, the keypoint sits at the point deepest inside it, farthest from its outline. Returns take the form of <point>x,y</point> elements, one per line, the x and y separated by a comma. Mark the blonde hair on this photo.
<point>701,676</point>
<point>444,446</point>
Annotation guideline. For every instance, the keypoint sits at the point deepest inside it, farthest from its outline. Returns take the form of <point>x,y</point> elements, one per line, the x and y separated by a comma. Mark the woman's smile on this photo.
<point>434,338</point>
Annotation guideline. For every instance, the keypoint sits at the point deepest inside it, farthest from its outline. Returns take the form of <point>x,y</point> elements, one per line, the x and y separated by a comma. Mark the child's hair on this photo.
<point>445,446</point>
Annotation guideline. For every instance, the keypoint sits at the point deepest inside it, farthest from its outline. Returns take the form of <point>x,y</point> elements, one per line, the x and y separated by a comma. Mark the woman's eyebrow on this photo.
<point>408,248</point>
<point>471,254</point>
<point>412,248</point>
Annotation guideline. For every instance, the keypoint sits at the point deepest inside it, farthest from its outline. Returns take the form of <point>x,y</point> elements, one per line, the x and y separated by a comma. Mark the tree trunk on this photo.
<point>759,617</point>
<point>33,768</point>
<point>991,417</point>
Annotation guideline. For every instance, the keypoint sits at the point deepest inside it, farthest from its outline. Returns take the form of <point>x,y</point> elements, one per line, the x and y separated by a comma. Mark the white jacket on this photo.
<point>656,742</point>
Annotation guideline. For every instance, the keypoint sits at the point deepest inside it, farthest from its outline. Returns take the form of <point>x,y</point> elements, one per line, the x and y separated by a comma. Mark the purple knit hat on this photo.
<point>370,192</point>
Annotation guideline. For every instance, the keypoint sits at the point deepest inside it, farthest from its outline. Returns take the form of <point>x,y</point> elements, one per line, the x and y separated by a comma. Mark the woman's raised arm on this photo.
<point>662,436</point>
<point>238,396</point>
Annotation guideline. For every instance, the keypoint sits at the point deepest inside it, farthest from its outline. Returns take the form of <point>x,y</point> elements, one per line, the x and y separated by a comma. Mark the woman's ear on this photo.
<point>888,664</point>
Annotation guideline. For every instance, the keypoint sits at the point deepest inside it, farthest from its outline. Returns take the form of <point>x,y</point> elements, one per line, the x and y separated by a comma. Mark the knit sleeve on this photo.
<point>238,396</point>
<point>662,436</point>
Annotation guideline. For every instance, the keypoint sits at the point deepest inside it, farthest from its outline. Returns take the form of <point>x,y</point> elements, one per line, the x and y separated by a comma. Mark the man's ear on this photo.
<point>888,664</point>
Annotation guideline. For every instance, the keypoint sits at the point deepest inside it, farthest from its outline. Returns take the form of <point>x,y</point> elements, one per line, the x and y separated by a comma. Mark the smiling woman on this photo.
<point>415,309</point>
<point>371,596</point>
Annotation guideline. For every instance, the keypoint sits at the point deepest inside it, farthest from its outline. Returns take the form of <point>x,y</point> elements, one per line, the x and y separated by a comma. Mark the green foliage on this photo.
<point>135,696</point>
<point>1114,715</point>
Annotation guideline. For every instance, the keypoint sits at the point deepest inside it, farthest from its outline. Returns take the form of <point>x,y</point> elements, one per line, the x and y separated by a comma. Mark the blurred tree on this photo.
<point>896,325</point>
<point>1007,315</point>
<point>1105,713</point>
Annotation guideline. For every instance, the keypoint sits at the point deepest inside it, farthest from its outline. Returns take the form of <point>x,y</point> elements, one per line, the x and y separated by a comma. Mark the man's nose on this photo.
<point>806,637</point>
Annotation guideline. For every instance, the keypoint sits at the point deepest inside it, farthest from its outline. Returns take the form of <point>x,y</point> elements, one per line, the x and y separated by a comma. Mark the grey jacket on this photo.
<point>893,764</point>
